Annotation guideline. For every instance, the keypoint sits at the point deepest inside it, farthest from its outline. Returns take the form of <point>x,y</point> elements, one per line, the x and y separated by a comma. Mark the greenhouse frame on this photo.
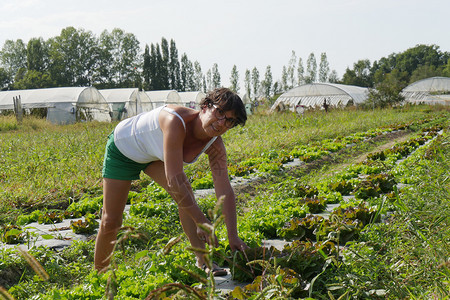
<point>313,95</point>
<point>126,102</point>
<point>433,90</point>
<point>191,99</point>
<point>160,98</point>
<point>63,105</point>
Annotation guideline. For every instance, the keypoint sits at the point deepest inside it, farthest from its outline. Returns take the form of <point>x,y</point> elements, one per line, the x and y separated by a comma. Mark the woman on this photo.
<point>159,142</point>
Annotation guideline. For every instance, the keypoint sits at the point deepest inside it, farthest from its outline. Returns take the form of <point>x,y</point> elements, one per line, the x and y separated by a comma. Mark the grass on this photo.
<point>48,165</point>
<point>408,256</point>
<point>52,166</point>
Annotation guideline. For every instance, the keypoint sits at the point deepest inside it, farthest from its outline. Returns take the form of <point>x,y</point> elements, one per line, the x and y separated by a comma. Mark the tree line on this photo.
<point>115,60</point>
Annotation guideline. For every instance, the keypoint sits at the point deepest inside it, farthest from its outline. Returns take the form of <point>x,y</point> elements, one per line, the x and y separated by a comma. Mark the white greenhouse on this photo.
<point>64,105</point>
<point>245,98</point>
<point>160,98</point>
<point>434,90</point>
<point>191,99</point>
<point>313,95</point>
<point>247,102</point>
<point>126,102</point>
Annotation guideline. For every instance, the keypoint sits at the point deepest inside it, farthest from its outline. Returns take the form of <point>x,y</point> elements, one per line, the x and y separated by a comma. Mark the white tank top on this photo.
<point>140,138</point>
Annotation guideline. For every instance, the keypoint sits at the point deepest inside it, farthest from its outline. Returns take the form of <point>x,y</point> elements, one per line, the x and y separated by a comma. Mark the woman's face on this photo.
<point>217,121</point>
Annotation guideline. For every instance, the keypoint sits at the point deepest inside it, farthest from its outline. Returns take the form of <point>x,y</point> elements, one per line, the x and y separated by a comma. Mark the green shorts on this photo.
<point>118,166</point>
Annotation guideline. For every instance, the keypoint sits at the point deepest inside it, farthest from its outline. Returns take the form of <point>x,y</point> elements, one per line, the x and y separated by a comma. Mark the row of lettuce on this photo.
<point>285,210</point>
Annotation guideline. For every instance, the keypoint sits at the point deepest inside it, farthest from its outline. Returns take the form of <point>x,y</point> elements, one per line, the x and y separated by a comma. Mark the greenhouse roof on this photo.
<point>245,98</point>
<point>433,84</point>
<point>188,97</point>
<point>313,95</point>
<point>434,90</point>
<point>119,95</point>
<point>166,96</point>
<point>358,94</point>
<point>33,98</point>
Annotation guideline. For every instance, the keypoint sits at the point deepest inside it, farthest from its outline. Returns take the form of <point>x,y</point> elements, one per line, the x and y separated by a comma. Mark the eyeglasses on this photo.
<point>220,115</point>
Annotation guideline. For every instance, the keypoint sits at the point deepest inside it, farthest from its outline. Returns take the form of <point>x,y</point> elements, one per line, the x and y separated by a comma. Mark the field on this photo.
<point>386,172</point>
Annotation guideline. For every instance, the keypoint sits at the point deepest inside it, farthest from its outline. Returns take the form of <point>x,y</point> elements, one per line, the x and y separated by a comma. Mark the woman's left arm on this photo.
<point>218,163</point>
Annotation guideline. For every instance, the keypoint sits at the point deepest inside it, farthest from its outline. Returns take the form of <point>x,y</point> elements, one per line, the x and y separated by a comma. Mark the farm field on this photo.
<point>386,173</point>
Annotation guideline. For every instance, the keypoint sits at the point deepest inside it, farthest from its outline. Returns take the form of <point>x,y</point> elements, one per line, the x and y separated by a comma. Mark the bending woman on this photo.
<point>159,142</point>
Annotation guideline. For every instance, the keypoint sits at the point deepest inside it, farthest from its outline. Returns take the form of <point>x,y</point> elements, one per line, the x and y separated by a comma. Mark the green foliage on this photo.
<point>87,205</point>
<point>88,226</point>
<point>12,234</point>
<point>51,217</point>
<point>388,92</point>
<point>203,183</point>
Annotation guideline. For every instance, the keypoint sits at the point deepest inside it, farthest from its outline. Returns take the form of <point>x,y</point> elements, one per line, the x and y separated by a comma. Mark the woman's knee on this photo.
<point>110,224</point>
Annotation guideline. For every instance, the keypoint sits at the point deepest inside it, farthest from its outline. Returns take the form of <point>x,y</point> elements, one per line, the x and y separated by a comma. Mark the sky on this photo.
<point>245,33</point>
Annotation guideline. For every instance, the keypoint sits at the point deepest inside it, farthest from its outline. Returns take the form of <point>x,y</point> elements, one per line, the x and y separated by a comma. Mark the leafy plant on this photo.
<point>89,225</point>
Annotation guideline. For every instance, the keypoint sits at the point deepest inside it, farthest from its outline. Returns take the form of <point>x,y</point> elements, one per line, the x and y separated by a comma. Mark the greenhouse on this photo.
<point>159,98</point>
<point>313,95</point>
<point>434,90</point>
<point>191,99</point>
<point>126,103</point>
<point>249,107</point>
<point>64,105</point>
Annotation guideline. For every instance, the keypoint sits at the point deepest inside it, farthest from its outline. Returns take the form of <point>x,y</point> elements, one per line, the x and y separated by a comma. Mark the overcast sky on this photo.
<point>245,33</point>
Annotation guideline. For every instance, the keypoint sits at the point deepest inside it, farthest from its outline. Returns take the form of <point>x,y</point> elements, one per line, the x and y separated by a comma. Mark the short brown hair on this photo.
<point>228,101</point>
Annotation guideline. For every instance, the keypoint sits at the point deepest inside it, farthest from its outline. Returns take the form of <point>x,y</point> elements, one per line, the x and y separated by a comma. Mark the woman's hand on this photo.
<point>206,237</point>
<point>236,244</point>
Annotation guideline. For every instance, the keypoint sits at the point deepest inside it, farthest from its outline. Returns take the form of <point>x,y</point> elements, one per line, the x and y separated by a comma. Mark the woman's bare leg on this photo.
<point>156,171</point>
<point>115,195</point>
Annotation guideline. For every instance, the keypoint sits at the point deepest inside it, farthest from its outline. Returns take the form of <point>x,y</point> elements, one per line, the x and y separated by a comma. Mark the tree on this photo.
<point>164,65</point>
<point>146,68</point>
<point>284,79</point>
<point>267,83</point>
<point>33,80</point>
<point>187,74</point>
<point>388,92</point>
<point>159,83</point>
<point>248,82</point>
<point>446,69</point>
<point>125,58</point>
<point>300,72</point>
<point>324,68</point>
<point>420,55</point>
<point>103,74</point>
<point>360,75</point>
<point>4,80</point>
<point>37,55</point>
<point>205,84</point>
<point>255,82</point>
<point>198,77</point>
<point>174,67</point>
<point>73,57</point>
<point>311,69</point>
<point>13,57</point>
<point>276,87</point>
<point>333,78</point>
<point>215,76</point>
<point>208,81</point>
<point>291,70</point>
<point>423,72</point>
<point>234,79</point>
